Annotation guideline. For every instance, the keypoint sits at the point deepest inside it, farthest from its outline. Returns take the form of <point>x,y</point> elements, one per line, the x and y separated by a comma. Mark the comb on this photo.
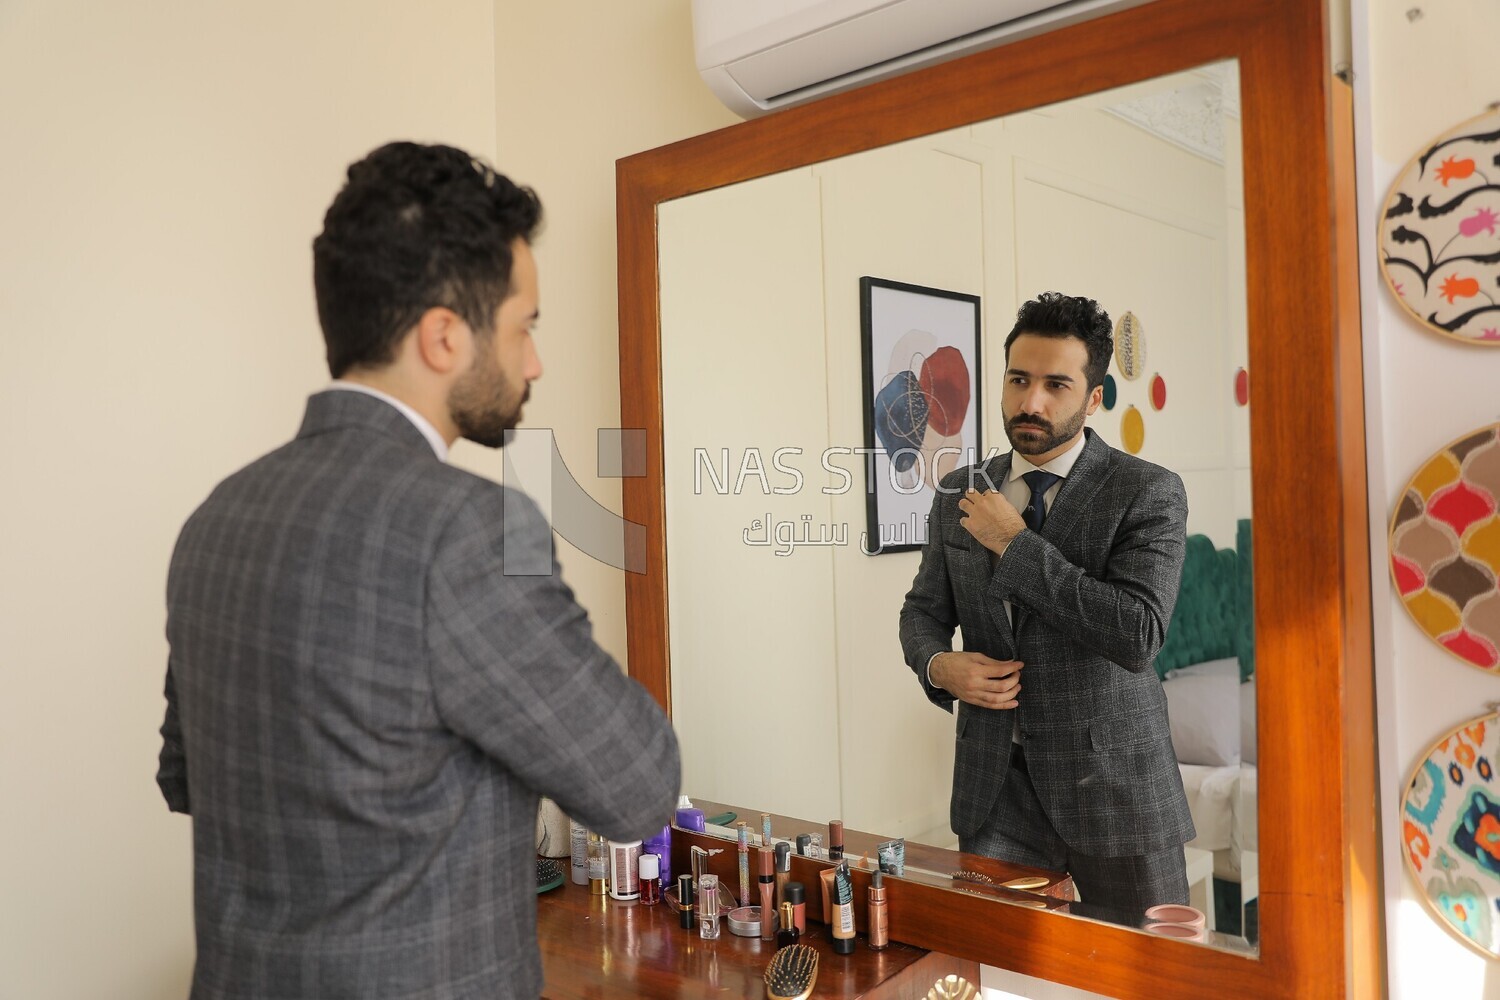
<point>951,988</point>
<point>792,973</point>
<point>549,875</point>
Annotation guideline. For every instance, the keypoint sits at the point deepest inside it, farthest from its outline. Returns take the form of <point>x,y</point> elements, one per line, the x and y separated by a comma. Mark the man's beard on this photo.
<point>1050,435</point>
<point>482,404</point>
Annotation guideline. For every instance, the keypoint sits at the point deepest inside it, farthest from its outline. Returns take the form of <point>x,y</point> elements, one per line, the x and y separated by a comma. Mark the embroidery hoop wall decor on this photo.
<point>1440,233</point>
<point>1450,810</point>
<point>1445,548</point>
<point>1130,346</point>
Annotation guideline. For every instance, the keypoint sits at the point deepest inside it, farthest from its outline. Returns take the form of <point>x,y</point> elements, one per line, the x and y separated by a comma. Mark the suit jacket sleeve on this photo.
<point>516,671</point>
<point>1123,616</point>
<point>928,615</point>
<point>171,771</point>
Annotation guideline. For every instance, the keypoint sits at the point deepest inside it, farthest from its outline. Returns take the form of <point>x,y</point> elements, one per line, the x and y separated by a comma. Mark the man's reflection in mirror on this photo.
<point>1059,564</point>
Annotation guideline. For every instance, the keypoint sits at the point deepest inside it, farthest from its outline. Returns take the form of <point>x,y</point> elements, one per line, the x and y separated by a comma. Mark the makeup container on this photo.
<point>1176,913</point>
<point>841,923</point>
<point>788,934</point>
<point>877,918</point>
<point>803,841</point>
<point>661,846</point>
<point>835,840</point>
<point>689,817</point>
<point>825,882</point>
<point>578,841</point>
<point>796,895</point>
<point>766,880</point>
<point>765,829</point>
<point>744,831</point>
<point>892,856</point>
<point>625,869</point>
<point>708,907</point>
<point>744,921</point>
<point>649,871</point>
<point>685,914</point>
<point>783,871</point>
<point>815,846</point>
<point>598,865</point>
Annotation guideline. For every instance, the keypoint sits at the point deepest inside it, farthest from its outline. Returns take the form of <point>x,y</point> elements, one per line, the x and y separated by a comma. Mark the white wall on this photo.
<point>1415,79</point>
<point>165,168</point>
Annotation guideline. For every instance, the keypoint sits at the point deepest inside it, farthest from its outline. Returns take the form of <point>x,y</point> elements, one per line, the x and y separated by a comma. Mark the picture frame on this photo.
<point>922,403</point>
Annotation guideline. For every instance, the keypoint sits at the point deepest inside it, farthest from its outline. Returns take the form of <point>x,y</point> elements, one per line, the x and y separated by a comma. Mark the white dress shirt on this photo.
<point>1018,493</point>
<point>439,446</point>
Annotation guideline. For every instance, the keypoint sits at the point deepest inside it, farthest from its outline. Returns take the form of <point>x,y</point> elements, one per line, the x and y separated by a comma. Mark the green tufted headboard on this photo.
<point>1214,618</point>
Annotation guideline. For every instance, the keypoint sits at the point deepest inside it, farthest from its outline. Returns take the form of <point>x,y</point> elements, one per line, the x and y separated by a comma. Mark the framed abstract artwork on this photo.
<point>1440,233</point>
<point>1445,548</point>
<point>1450,833</point>
<point>921,403</point>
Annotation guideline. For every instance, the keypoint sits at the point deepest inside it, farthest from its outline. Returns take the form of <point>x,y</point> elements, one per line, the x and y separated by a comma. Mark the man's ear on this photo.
<point>443,340</point>
<point>1096,396</point>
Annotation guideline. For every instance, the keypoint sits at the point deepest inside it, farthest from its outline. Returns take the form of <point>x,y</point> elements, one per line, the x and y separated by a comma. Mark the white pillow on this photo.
<point>1247,721</point>
<point>1203,705</point>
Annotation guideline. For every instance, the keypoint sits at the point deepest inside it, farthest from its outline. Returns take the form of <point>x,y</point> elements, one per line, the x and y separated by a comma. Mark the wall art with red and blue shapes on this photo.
<point>1445,548</point>
<point>1440,235</point>
<point>1450,831</point>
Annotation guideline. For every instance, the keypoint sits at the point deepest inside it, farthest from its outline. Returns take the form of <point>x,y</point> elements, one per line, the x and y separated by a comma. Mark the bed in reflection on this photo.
<point>1207,666</point>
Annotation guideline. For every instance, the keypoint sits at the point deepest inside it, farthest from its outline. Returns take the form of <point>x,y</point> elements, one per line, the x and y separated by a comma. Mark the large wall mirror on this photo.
<point>1165,161</point>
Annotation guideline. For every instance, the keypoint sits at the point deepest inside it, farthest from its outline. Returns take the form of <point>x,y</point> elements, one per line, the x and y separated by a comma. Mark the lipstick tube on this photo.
<point>783,871</point>
<point>835,840</point>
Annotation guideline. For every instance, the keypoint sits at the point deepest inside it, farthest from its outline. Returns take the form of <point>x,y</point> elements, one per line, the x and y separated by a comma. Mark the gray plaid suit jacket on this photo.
<point>1092,594</point>
<point>362,710</point>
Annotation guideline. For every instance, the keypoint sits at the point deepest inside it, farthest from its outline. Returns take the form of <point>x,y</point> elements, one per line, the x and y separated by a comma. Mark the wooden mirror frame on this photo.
<point>1319,925</point>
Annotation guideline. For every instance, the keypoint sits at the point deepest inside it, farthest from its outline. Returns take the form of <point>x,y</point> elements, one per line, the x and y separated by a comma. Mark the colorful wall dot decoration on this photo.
<point>1111,392</point>
<point>1445,548</point>
<point>1132,430</point>
<point>1130,346</point>
<point>1158,392</point>
<point>1450,833</point>
<point>1242,387</point>
<point>1440,233</point>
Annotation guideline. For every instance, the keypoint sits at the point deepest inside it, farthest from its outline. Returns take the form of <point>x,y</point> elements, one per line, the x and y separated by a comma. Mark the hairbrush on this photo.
<point>792,973</point>
<point>549,875</point>
<point>952,988</point>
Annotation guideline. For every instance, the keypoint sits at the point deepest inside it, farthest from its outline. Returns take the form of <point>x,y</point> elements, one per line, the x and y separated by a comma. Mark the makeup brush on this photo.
<point>952,988</point>
<point>792,973</point>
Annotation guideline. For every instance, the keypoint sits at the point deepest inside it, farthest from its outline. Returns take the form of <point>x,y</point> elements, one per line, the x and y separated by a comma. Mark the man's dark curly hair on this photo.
<point>1053,314</point>
<point>414,227</point>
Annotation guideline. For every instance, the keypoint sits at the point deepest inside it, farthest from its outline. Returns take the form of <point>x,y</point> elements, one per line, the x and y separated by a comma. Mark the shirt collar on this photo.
<point>1059,466</point>
<point>439,446</point>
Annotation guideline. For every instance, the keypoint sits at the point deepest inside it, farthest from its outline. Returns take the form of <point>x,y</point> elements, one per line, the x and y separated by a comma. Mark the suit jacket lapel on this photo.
<point>1077,490</point>
<point>980,565</point>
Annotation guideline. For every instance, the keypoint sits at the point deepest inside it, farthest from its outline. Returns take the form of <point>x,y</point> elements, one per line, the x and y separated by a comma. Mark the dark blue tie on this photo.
<point>1036,511</point>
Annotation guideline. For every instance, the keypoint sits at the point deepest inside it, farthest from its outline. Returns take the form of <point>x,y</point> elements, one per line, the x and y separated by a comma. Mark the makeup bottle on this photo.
<point>598,865</point>
<point>796,895</point>
<point>661,845</point>
<point>783,871</point>
<point>708,907</point>
<point>689,817</point>
<point>878,918</point>
<point>578,840</point>
<point>788,935</point>
<point>767,886</point>
<point>744,864</point>
<point>841,922</point>
<point>803,841</point>
<point>815,846</point>
<point>625,869</point>
<point>685,915</point>
<point>765,829</point>
<point>648,868</point>
<point>835,840</point>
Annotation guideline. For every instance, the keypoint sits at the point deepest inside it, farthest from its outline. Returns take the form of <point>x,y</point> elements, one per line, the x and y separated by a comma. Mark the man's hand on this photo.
<point>991,519</point>
<point>977,679</point>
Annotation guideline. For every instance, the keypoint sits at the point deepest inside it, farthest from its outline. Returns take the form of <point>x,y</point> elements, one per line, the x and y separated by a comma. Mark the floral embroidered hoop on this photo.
<point>1440,233</point>
<point>1445,548</point>
<point>1450,833</point>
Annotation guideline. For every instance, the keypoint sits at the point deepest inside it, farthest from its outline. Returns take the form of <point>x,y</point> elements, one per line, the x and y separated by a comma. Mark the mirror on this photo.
<point>1318,862</point>
<point>1132,196</point>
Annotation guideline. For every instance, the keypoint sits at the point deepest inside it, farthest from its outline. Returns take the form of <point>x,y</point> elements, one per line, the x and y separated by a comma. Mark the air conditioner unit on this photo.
<point>761,55</point>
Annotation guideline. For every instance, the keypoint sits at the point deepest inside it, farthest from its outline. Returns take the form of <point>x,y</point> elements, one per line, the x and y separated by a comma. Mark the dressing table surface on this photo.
<point>598,947</point>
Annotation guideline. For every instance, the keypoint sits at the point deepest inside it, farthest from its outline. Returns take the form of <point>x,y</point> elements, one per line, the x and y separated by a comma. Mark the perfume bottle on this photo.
<point>708,907</point>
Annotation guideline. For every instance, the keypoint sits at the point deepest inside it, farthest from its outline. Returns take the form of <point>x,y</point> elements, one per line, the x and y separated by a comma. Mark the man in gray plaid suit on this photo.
<point>363,706</point>
<point>1059,563</point>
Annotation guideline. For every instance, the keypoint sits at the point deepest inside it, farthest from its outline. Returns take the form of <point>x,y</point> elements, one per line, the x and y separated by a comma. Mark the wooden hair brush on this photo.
<point>792,973</point>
